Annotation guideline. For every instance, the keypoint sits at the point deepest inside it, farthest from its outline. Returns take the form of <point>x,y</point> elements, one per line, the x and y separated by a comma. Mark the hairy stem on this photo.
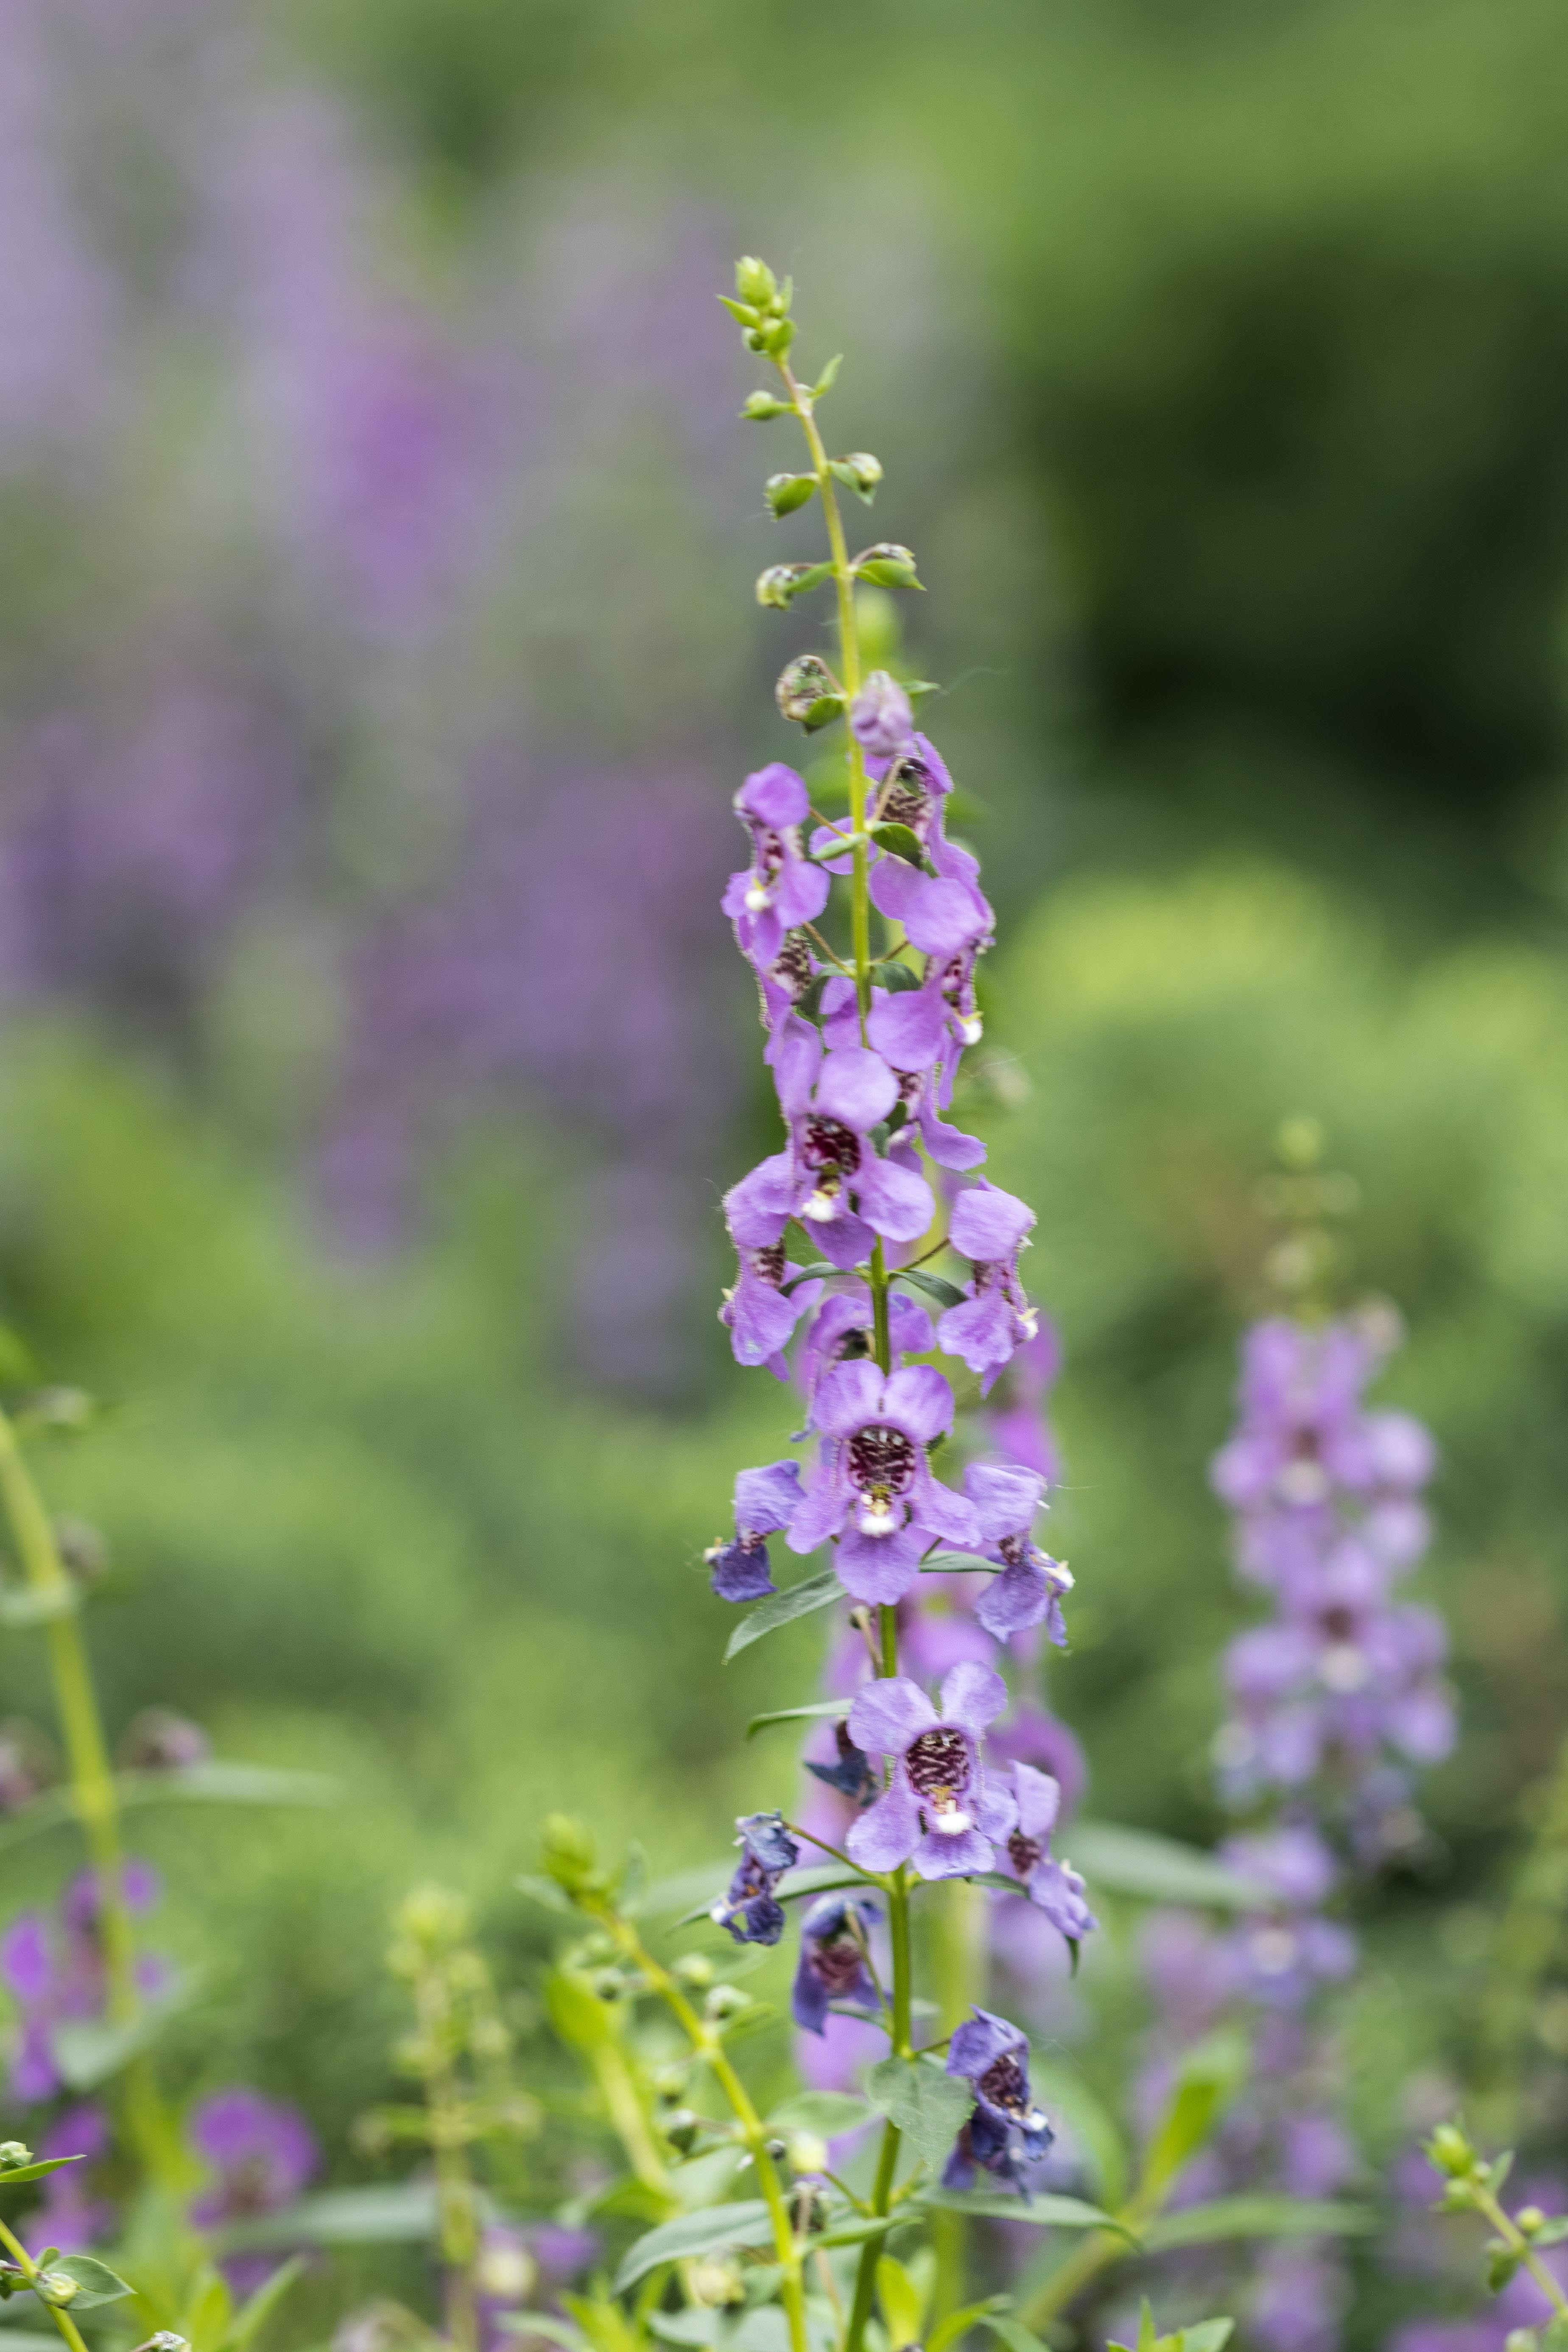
<point>706,2043</point>
<point>30,2271</point>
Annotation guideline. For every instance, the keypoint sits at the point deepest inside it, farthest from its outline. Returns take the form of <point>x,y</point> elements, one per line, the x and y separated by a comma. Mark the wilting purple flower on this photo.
<point>1029,1591</point>
<point>881,719</point>
<point>262,2153</point>
<point>781,888</point>
<point>940,1810</point>
<point>749,1908</point>
<point>1005,2128</point>
<point>850,1772</point>
<point>874,1489</point>
<point>832,1965</point>
<point>68,2215</point>
<point>989,1227</point>
<point>765,1501</point>
<point>1053,1887</point>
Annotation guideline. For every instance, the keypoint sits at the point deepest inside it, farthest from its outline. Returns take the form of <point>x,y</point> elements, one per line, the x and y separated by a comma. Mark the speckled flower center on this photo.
<point>1014,1550</point>
<point>1004,2085</point>
<point>827,1144</point>
<point>937,1762</point>
<point>1022,1851</point>
<point>836,1964</point>
<point>768,1265</point>
<point>882,1460</point>
<point>904,799</point>
<point>791,968</point>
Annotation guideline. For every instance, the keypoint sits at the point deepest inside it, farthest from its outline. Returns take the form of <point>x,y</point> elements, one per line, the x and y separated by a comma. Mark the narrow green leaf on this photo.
<point>1256,2217</point>
<point>1163,1870</point>
<point>713,2230</point>
<point>928,2105</point>
<point>223,1781</point>
<point>1061,2090</point>
<point>12,2173</point>
<point>946,1294</point>
<point>902,2300</point>
<point>257,2309</point>
<point>818,1267</point>
<point>1207,2335</point>
<point>899,841</point>
<point>958,2322</point>
<point>959,1563</point>
<point>1013,2332</point>
<point>543,1890</point>
<point>1050,2212</point>
<point>571,2339</point>
<point>896,976</point>
<point>88,2051</point>
<point>829,376</point>
<point>1553,2232</point>
<point>686,2327</point>
<point>819,1591</point>
<point>400,2214</point>
<point>1209,2077</point>
<point>818,1707</point>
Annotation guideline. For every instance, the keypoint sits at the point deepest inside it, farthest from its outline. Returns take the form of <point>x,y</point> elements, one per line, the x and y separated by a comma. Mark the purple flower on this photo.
<point>1031,1735</point>
<point>881,719</point>
<point>262,2151</point>
<point>262,2154</point>
<point>832,1965</point>
<point>850,1772</point>
<point>842,1333</point>
<point>940,1810</point>
<point>1029,1591</point>
<point>781,888</point>
<point>915,1116</point>
<point>765,1501</point>
<point>749,1908</point>
<point>68,2215</point>
<point>989,1227</point>
<point>1053,1887</point>
<point>874,1489</point>
<point>838,1183</point>
<point>761,1311</point>
<point>1005,2126</point>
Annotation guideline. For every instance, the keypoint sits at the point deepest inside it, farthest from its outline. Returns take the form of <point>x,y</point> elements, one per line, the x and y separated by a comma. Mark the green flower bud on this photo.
<point>755,282</point>
<point>12,2153</point>
<point>887,564</point>
<point>807,2152</point>
<point>859,472</point>
<point>569,1856</point>
<point>434,1918</point>
<point>779,584</point>
<point>1450,2151</point>
<point>786,491</point>
<point>1529,2217</point>
<point>695,1970</point>
<point>712,2282</point>
<point>759,405</point>
<point>808,693</point>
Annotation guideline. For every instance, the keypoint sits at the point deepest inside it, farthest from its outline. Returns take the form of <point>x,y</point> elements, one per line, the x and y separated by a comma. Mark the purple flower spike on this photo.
<point>1053,1887</point>
<point>941,1809</point>
<point>990,1228</point>
<point>781,889</point>
<point>881,719</point>
<point>874,1489</point>
<point>765,1501</point>
<point>1029,1591</point>
<point>1005,2128</point>
<point>832,1965</point>
<point>749,1908</point>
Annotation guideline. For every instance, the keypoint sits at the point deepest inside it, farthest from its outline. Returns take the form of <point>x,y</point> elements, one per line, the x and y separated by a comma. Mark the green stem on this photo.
<point>454,2182</point>
<point>710,2050</point>
<point>30,2271</point>
<point>1526,1938</point>
<point>92,1781</point>
<point>1515,2240</point>
<point>860,935</point>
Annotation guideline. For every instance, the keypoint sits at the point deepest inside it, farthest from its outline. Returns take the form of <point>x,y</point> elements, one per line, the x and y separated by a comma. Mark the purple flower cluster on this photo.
<point>1341,1690</point>
<point>52,1965</point>
<point>1333,1700</point>
<point>259,2154</point>
<point>832,1232</point>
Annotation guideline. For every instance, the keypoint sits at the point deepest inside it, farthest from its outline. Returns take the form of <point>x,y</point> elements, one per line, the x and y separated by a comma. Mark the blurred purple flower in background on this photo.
<point>68,2214</point>
<point>52,1966</point>
<point>261,2154</point>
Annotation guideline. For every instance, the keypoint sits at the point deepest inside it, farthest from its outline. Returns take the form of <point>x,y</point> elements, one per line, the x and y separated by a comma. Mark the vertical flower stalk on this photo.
<point>838,1236</point>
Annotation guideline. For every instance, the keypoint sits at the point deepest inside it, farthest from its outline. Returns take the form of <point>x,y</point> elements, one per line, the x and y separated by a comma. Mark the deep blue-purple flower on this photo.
<point>765,1501</point>
<point>749,1908</point>
<point>832,1965</point>
<point>1004,2128</point>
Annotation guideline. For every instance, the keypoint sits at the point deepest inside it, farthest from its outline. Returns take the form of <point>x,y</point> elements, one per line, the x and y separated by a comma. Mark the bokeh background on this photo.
<point>378,657</point>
